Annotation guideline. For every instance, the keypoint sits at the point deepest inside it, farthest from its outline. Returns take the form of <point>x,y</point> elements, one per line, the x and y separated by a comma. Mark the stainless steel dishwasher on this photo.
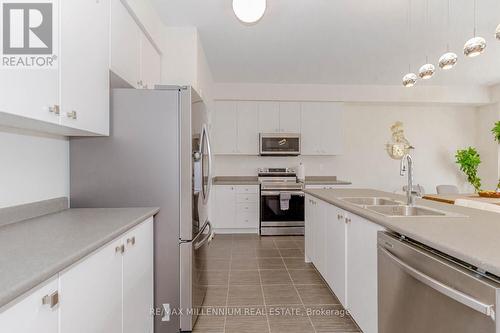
<point>422,290</point>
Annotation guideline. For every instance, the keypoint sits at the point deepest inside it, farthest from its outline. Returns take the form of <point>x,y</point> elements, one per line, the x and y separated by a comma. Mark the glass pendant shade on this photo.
<point>410,79</point>
<point>474,47</point>
<point>426,71</point>
<point>448,60</point>
<point>497,32</point>
<point>249,11</point>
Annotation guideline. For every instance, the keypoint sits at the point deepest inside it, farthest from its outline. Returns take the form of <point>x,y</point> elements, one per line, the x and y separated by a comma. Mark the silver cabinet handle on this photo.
<point>71,114</point>
<point>486,309</point>
<point>131,241</point>
<point>120,249</point>
<point>54,109</point>
<point>347,220</point>
<point>52,300</point>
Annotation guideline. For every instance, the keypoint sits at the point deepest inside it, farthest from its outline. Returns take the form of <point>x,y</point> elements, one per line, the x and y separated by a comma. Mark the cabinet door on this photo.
<point>335,249</point>
<point>247,215</point>
<point>290,117</point>
<point>150,64</point>
<point>308,230</point>
<point>226,127</point>
<point>125,44</point>
<point>319,239</point>
<point>332,129</point>
<point>29,315</point>
<point>91,293</point>
<point>248,128</point>
<point>225,207</point>
<point>138,279</point>
<point>84,65</point>
<point>362,272</point>
<point>269,117</point>
<point>311,117</point>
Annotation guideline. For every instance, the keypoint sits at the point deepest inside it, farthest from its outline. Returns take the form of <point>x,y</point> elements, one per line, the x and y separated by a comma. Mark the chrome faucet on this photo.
<point>408,168</point>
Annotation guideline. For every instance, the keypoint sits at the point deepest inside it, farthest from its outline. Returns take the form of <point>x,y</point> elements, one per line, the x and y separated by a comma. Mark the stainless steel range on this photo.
<point>281,202</point>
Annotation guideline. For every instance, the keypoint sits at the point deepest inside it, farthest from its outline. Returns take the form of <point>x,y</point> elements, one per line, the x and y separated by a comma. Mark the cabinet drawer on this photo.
<point>242,198</point>
<point>247,189</point>
<point>247,215</point>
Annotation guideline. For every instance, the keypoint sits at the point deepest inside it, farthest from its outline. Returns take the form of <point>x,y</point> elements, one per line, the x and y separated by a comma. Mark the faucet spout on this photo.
<point>406,167</point>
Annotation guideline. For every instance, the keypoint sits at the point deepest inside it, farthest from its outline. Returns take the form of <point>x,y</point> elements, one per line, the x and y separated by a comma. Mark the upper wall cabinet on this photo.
<point>279,117</point>
<point>321,128</point>
<point>237,125</point>
<point>84,65</point>
<point>236,128</point>
<point>133,56</point>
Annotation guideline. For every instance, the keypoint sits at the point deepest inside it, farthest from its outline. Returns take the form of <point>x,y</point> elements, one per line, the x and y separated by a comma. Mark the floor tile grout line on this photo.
<point>300,297</point>
<point>264,300</point>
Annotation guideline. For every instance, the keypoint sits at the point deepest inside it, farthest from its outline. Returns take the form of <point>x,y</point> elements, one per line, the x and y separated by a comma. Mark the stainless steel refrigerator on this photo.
<point>158,154</point>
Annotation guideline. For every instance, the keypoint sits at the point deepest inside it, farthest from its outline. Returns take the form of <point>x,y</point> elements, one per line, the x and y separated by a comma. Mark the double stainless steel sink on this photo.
<point>393,208</point>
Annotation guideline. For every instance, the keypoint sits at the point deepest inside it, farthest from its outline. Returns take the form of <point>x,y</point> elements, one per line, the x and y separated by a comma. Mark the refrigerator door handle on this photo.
<point>205,140</point>
<point>207,238</point>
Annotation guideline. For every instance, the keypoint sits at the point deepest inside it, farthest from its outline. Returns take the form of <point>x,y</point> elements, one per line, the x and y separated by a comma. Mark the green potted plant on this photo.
<point>496,133</point>
<point>469,161</point>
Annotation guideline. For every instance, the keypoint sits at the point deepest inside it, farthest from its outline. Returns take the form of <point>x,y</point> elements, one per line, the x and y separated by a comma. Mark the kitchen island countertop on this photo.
<point>471,235</point>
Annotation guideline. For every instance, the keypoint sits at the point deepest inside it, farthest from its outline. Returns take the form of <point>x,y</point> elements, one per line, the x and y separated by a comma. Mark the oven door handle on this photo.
<point>486,309</point>
<point>275,193</point>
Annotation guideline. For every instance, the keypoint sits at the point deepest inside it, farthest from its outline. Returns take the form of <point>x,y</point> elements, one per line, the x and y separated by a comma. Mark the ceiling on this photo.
<point>347,42</point>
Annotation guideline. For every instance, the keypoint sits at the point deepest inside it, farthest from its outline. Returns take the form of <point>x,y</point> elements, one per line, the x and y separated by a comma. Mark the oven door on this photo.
<point>272,214</point>
<point>280,144</point>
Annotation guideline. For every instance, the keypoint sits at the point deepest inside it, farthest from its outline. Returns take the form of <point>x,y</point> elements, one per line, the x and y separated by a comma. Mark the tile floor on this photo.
<point>261,284</point>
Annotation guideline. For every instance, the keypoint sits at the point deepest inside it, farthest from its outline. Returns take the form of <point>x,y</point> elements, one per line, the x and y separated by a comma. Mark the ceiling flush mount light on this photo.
<point>249,11</point>
<point>476,45</point>
<point>409,80</point>
<point>448,60</point>
<point>426,71</point>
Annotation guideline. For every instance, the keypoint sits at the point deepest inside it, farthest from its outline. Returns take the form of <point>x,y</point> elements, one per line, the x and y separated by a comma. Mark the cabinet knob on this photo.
<point>347,220</point>
<point>120,249</point>
<point>131,241</point>
<point>52,300</point>
<point>71,114</point>
<point>54,109</point>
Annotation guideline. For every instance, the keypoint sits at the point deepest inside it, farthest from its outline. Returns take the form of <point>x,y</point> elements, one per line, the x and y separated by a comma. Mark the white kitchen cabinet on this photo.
<point>226,127</point>
<point>319,235</point>
<point>30,315</point>
<point>335,249</point>
<point>236,208</point>
<point>247,128</point>
<point>125,45</point>
<point>84,65</point>
<point>309,229</point>
<point>289,119</point>
<point>269,117</point>
<point>150,64</point>
<point>138,279</point>
<point>362,272</point>
<point>321,128</point>
<point>91,293</point>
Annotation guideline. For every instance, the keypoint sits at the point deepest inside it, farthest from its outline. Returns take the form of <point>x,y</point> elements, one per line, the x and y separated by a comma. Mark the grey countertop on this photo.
<point>253,180</point>
<point>34,250</point>
<point>473,237</point>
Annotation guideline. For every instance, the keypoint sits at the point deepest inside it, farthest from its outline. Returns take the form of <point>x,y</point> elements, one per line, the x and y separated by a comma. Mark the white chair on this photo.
<point>447,189</point>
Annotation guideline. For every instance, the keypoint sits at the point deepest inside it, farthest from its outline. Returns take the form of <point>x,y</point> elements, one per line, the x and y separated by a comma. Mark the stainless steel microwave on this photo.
<point>279,144</point>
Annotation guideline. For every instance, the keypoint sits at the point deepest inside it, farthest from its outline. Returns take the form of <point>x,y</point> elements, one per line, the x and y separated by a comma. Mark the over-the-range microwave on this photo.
<point>279,144</point>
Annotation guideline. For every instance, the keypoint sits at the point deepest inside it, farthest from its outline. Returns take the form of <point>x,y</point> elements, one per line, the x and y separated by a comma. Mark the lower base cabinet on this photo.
<point>109,291</point>
<point>236,207</point>
<point>343,248</point>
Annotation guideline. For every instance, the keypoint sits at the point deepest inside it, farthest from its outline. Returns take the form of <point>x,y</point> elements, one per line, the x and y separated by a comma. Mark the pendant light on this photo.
<point>476,45</point>
<point>497,32</point>
<point>449,59</point>
<point>410,79</point>
<point>249,11</point>
<point>427,70</point>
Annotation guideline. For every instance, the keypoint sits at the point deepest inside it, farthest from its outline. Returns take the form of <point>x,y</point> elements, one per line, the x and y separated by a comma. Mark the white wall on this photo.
<point>33,167</point>
<point>436,132</point>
